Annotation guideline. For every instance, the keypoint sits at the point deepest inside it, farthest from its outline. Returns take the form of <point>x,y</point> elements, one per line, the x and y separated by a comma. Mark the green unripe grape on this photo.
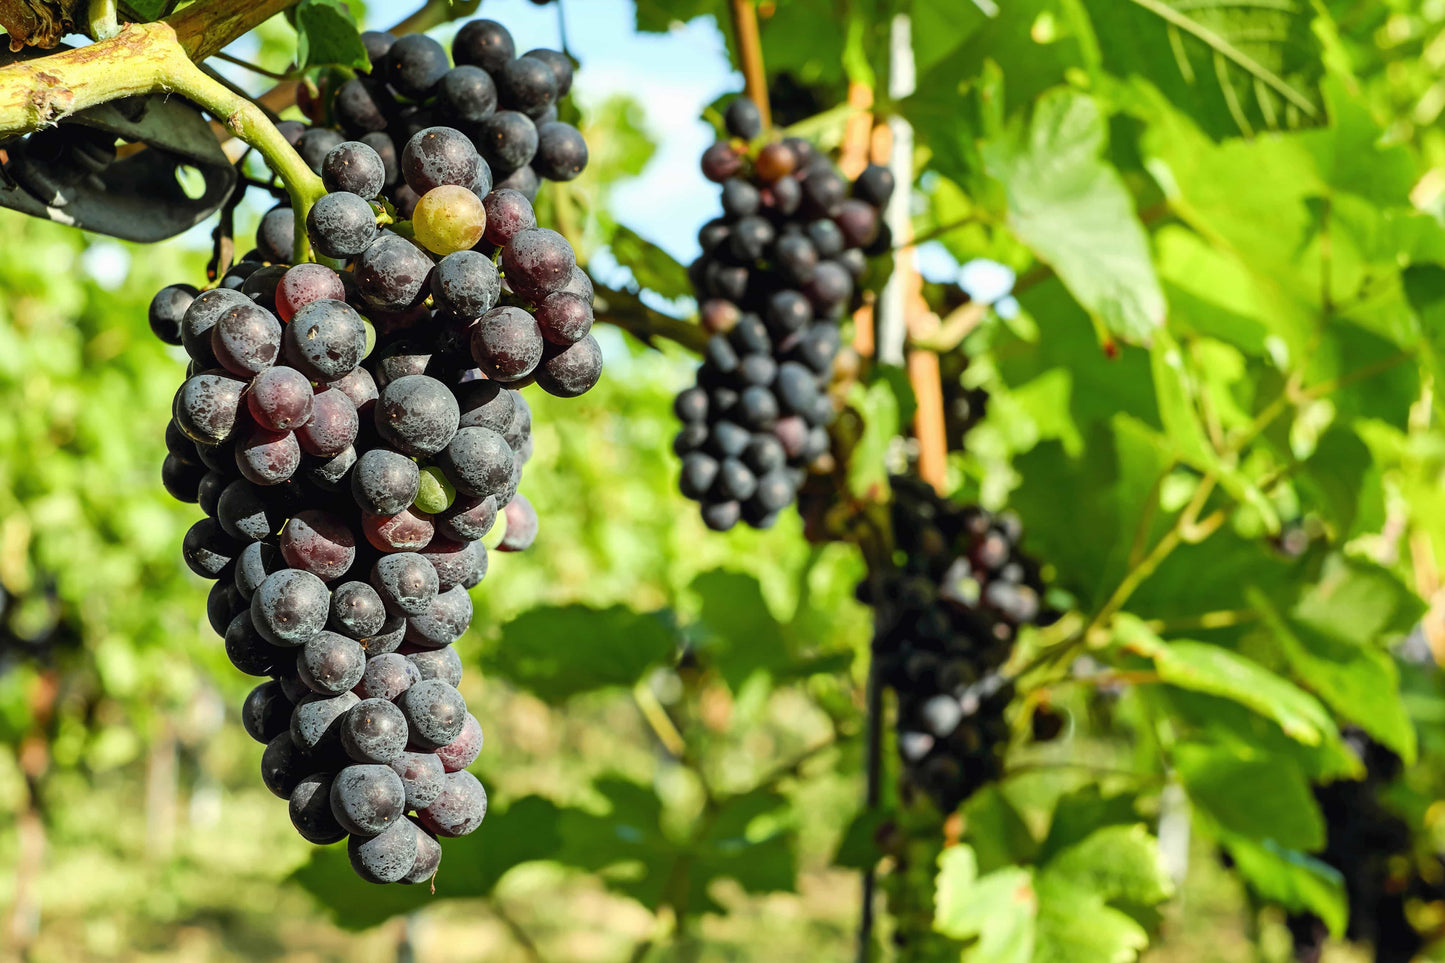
<point>448,219</point>
<point>434,493</point>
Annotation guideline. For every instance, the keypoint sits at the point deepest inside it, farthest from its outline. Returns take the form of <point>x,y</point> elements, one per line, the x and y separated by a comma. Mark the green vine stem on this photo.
<point>158,58</point>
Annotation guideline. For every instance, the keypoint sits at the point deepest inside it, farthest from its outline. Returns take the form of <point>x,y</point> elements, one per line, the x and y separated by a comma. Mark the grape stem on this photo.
<point>750,56</point>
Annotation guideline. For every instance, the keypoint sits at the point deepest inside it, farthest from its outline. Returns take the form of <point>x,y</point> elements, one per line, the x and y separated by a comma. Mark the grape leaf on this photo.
<point>327,34</point>
<point>1073,210</point>
<point>998,910</point>
<point>1292,879</point>
<point>1259,797</point>
<point>1234,68</point>
<point>560,651</point>
<point>653,267</point>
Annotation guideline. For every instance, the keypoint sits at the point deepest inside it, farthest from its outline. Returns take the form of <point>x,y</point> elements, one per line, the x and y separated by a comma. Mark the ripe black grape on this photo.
<point>415,64</point>
<point>167,309</point>
<point>341,224</point>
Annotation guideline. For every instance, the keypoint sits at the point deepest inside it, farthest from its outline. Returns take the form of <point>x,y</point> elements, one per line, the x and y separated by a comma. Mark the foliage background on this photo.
<point>1210,330</point>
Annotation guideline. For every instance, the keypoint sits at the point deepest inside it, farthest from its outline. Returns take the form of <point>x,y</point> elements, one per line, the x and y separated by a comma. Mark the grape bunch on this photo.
<point>505,105</point>
<point>952,610</point>
<point>349,470</point>
<point>778,271</point>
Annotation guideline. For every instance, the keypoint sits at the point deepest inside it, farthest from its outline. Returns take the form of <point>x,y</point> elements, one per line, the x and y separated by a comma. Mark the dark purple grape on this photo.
<point>387,857</point>
<point>290,607</point>
<point>445,620</point>
<point>417,415</point>
<point>564,318</point>
<point>858,221</point>
<point>330,664</point>
<point>721,161</point>
<point>691,405</point>
<point>246,339</point>
<point>318,542</point>
<point>341,224</point>
<point>507,344</point>
<point>572,370</point>
<point>167,309</point>
<point>788,311</point>
<point>245,512</point>
<point>356,610</point>
<point>829,288</point>
<point>332,426</point>
<point>457,562</point>
<point>422,775</point>
<point>267,457</point>
<point>374,731</point>
<point>439,156</point>
<point>521,525</point>
<point>276,234</point>
<point>313,146</point>
<point>280,398</point>
<point>283,765</point>
<point>442,664</point>
<point>385,148</point>
<point>750,238</point>
<point>206,406</point>
<point>223,603</point>
<point>743,119</point>
<point>796,258</point>
<point>721,516</point>
<point>415,65</point>
<point>325,340</point>
<point>182,481</point>
<point>384,482</point>
<point>775,491</point>
<point>462,751</point>
<point>266,713</point>
<point>466,284</point>
<point>459,809</point>
<point>467,95</point>
<point>874,186</point>
<point>483,43</point>
<point>699,471</point>
<point>310,809</point>
<point>366,799</point>
<point>469,518</point>
<point>508,214</point>
<point>508,141</point>
<point>377,43</point>
<point>408,530</point>
<point>392,273</point>
<point>387,676</point>
<point>255,562</point>
<point>526,84</point>
<point>435,713</point>
<point>477,462</point>
<point>827,238</point>
<point>304,283</point>
<point>739,198</point>
<point>208,549</point>
<point>316,722</point>
<point>537,262</point>
<point>355,168</point>
<point>523,180</point>
<point>249,652</point>
<point>360,387</point>
<point>406,582</point>
<point>428,858</point>
<point>389,639</point>
<point>360,107</point>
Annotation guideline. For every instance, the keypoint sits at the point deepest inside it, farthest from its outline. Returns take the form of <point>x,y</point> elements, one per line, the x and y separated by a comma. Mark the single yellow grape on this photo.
<point>448,219</point>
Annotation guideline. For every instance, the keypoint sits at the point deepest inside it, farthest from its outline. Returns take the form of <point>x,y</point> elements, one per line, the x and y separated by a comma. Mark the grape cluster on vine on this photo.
<point>348,471</point>
<point>506,106</point>
<point>778,271</point>
<point>952,608</point>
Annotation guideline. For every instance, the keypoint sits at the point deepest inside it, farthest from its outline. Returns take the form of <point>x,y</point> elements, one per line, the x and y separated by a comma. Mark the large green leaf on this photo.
<point>326,33</point>
<point>1213,669</point>
<point>997,910</point>
<point>560,651</point>
<point>1233,67</point>
<point>1258,797</point>
<point>1292,879</point>
<point>1058,912</point>
<point>1334,645</point>
<point>1073,210</point>
<point>653,267</point>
